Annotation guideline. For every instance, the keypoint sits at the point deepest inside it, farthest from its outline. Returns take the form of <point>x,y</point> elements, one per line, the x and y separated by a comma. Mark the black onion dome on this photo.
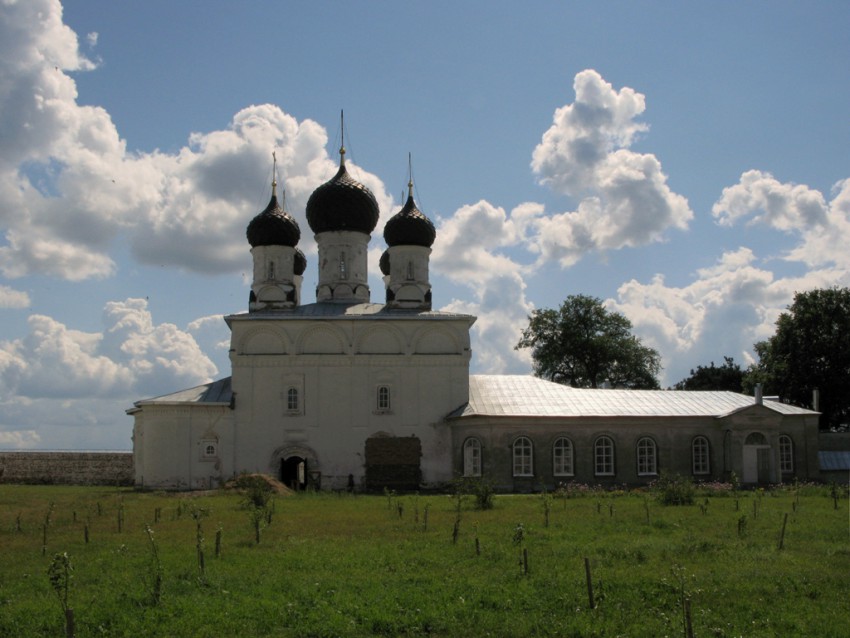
<point>384,263</point>
<point>409,227</point>
<point>273,227</point>
<point>342,203</point>
<point>300,264</point>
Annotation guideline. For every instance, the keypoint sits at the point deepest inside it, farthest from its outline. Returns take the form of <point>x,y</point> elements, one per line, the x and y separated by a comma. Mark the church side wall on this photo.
<point>172,446</point>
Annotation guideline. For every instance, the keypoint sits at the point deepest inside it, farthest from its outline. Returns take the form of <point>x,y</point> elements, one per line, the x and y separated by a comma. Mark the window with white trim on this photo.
<point>603,456</point>
<point>383,399</point>
<point>700,459</point>
<point>522,455</point>
<point>647,457</point>
<point>472,457</point>
<point>562,457</point>
<point>786,454</point>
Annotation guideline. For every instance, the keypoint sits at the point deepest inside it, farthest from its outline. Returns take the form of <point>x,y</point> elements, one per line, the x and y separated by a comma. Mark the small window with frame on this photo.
<point>209,450</point>
<point>383,402</point>
<point>293,400</point>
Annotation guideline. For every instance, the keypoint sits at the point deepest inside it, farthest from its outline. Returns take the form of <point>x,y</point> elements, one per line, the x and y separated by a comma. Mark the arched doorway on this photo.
<point>293,472</point>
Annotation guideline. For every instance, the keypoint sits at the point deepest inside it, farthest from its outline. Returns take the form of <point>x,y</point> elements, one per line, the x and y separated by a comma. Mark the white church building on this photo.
<point>345,393</point>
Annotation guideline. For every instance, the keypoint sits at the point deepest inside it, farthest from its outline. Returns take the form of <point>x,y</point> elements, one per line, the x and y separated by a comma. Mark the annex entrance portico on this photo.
<point>756,459</point>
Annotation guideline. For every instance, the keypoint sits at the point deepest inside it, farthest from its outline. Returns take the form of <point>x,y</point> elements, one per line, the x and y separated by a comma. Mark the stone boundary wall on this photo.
<point>67,468</point>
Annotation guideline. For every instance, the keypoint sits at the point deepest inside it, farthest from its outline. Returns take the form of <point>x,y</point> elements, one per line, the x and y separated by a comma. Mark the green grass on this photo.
<point>350,566</point>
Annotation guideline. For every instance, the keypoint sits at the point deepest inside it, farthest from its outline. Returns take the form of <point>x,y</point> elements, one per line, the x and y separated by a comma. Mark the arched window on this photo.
<point>410,271</point>
<point>343,268</point>
<point>383,404</point>
<point>755,438</point>
<point>292,400</point>
<point>700,462</point>
<point>562,457</point>
<point>786,454</point>
<point>603,456</point>
<point>472,457</point>
<point>523,457</point>
<point>647,458</point>
<point>271,270</point>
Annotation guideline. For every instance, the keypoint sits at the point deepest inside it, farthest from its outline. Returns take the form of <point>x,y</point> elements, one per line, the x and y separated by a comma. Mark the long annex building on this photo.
<point>344,393</point>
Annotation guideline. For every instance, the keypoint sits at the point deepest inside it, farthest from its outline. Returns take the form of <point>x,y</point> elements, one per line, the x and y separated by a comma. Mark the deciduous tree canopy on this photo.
<point>729,376</point>
<point>584,345</point>
<point>810,350</point>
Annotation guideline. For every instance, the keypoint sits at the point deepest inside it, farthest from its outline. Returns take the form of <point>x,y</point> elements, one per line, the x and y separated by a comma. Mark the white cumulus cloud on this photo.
<point>69,188</point>
<point>723,312</point>
<point>624,199</point>
<point>131,356</point>
<point>11,298</point>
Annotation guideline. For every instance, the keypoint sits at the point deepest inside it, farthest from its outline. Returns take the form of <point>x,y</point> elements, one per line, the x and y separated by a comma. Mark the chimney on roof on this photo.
<point>758,394</point>
<point>816,400</point>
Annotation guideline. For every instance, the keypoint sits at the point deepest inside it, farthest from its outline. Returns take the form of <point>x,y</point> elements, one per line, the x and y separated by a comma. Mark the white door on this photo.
<point>750,472</point>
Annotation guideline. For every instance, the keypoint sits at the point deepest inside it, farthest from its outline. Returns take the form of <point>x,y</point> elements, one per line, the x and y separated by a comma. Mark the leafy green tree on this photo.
<point>584,345</point>
<point>729,376</point>
<point>810,350</point>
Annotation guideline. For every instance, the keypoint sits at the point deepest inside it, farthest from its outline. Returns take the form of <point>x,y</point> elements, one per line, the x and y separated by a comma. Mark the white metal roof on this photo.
<point>327,310</point>
<point>218,391</point>
<point>523,395</point>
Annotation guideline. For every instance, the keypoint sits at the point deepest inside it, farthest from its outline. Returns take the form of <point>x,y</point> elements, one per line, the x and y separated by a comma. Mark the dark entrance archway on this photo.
<point>294,472</point>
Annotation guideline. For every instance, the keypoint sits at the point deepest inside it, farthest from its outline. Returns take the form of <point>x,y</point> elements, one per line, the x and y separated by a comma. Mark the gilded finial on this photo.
<point>274,174</point>
<point>342,138</point>
<point>410,175</point>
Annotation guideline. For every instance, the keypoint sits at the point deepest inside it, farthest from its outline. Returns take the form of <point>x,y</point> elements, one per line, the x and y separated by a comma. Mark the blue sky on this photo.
<point>687,163</point>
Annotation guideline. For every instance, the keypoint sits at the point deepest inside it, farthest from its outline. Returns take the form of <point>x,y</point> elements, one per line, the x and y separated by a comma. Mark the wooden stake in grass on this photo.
<point>198,514</point>
<point>689,625</point>
<point>589,579</point>
<point>44,527</point>
<point>742,526</point>
<point>257,521</point>
<point>547,506</point>
<point>782,534</point>
<point>86,533</point>
<point>425,517</point>
<point>646,508</point>
<point>218,542</point>
<point>156,568</point>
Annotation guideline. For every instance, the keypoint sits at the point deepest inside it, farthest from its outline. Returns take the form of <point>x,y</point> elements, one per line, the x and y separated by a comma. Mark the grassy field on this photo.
<point>329,565</point>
